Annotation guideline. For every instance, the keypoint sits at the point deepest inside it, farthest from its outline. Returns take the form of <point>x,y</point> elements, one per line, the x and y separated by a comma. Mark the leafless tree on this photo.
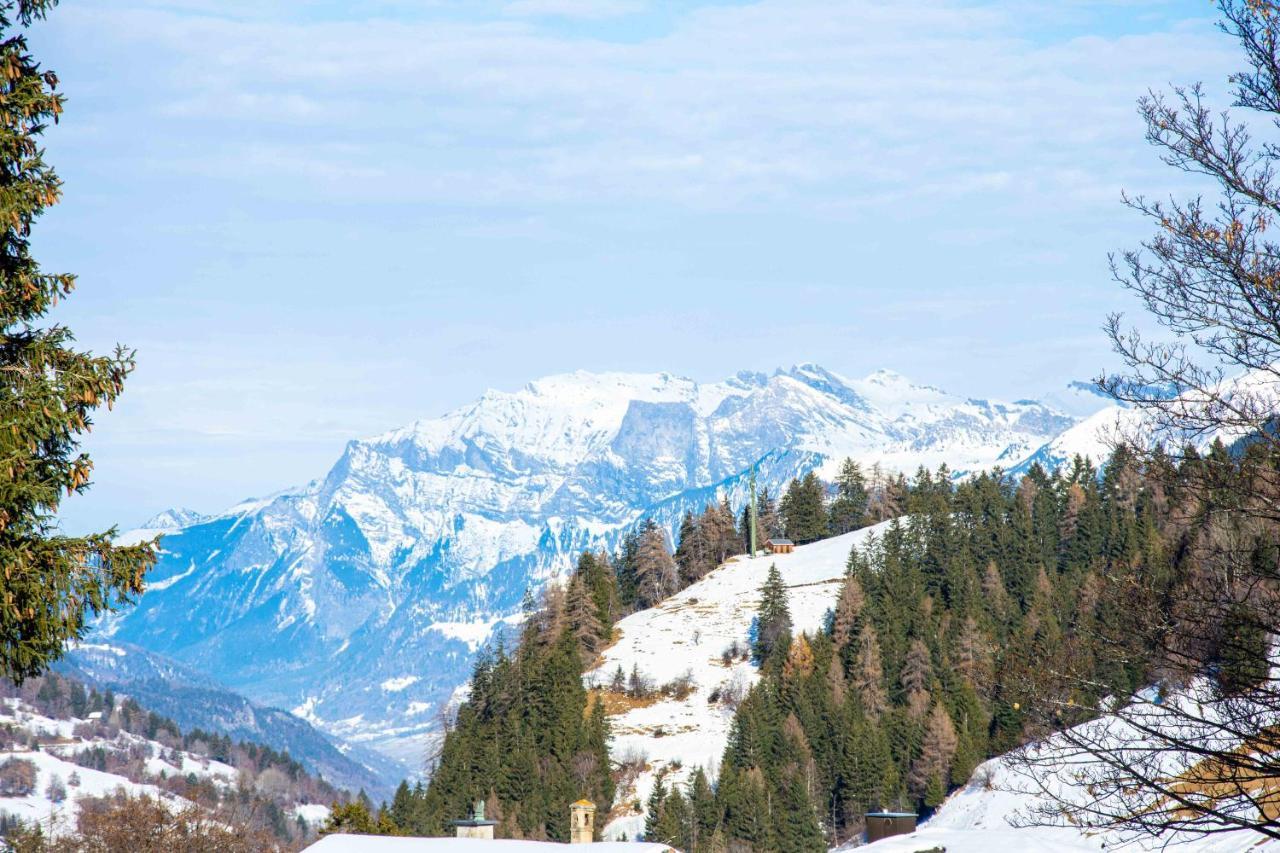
<point>1195,748</point>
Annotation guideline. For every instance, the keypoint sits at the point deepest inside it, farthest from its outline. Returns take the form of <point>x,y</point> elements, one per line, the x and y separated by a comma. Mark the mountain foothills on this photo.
<point>878,670</point>
<point>88,770</point>
<point>360,599</point>
<point>195,701</point>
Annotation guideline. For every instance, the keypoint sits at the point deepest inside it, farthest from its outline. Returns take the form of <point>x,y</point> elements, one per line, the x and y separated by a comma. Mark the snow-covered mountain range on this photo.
<point>359,599</point>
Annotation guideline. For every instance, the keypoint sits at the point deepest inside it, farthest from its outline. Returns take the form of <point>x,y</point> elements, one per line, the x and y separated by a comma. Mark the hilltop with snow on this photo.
<point>360,599</point>
<point>687,634</point>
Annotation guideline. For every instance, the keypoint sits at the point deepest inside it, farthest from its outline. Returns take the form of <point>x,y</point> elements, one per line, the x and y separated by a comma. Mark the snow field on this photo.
<point>57,760</point>
<point>687,634</point>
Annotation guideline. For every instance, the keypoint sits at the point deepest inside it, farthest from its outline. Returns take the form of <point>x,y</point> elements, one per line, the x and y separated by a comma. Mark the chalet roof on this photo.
<point>780,541</point>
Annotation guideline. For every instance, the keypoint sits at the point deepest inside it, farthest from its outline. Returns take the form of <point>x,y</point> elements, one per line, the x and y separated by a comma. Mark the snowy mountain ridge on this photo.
<point>397,564</point>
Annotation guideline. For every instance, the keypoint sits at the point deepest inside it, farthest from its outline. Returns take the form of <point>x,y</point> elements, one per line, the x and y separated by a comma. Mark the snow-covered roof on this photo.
<point>388,844</point>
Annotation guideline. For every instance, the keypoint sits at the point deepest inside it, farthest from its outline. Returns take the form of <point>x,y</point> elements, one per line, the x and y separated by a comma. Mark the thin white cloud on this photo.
<point>589,10</point>
<point>830,103</point>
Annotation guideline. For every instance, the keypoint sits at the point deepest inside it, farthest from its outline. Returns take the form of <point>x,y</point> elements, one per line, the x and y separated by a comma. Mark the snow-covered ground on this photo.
<point>371,844</point>
<point>993,811</point>
<point>982,818</point>
<point>39,808</point>
<point>687,634</point>
<point>54,760</point>
<point>313,814</point>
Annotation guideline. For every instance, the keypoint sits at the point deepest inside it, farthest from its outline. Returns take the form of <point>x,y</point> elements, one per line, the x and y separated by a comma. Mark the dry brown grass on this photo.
<point>616,704</point>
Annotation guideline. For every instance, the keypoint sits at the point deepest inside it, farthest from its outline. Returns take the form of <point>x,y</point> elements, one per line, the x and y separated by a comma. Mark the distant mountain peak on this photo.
<point>394,566</point>
<point>172,519</point>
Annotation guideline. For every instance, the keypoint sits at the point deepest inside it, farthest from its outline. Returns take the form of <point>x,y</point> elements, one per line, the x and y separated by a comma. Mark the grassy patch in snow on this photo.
<point>617,704</point>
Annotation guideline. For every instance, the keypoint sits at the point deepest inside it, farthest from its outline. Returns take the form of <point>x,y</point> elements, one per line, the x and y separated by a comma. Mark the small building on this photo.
<point>582,822</point>
<point>888,824</point>
<point>475,826</point>
<point>780,546</point>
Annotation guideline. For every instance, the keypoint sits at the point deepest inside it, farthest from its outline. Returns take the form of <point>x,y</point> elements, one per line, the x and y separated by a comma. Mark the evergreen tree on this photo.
<point>691,551</point>
<point>601,583</point>
<point>705,815</point>
<point>803,513</point>
<point>402,805</point>
<point>356,818</point>
<point>48,392</point>
<point>655,827</point>
<point>849,509</point>
<point>796,820</point>
<point>625,570</point>
<point>768,519</point>
<point>527,740</point>
<point>773,618</point>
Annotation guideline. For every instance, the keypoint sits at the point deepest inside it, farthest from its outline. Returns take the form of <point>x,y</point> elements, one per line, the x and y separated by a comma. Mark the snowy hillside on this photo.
<point>53,763</point>
<point>60,782</point>
<point>688,633</point>
<point>360,599</point>
<point>990,814</point>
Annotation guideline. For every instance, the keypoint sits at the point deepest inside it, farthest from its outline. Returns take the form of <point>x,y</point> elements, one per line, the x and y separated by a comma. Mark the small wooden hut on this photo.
<point>780,546</point>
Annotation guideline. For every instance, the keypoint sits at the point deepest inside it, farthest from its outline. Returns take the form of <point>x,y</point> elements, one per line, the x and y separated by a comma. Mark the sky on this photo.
<point>316,221</point>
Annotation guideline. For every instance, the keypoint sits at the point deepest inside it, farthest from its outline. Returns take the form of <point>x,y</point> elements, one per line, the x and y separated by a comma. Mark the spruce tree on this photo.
<point>654,826</point>
<point>773,618</point>
<point>803,512</point>
<point>796,828</point>
<point>705,814</point>
<point>691,550</point>
<point>48,391</point>
<point>768,520</point>
<point>849,509</point>
<point>625,571</point>
<point>526,739</point>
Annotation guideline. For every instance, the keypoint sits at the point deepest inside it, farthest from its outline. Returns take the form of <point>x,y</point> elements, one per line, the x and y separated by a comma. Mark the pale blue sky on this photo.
<point>321,220</point>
